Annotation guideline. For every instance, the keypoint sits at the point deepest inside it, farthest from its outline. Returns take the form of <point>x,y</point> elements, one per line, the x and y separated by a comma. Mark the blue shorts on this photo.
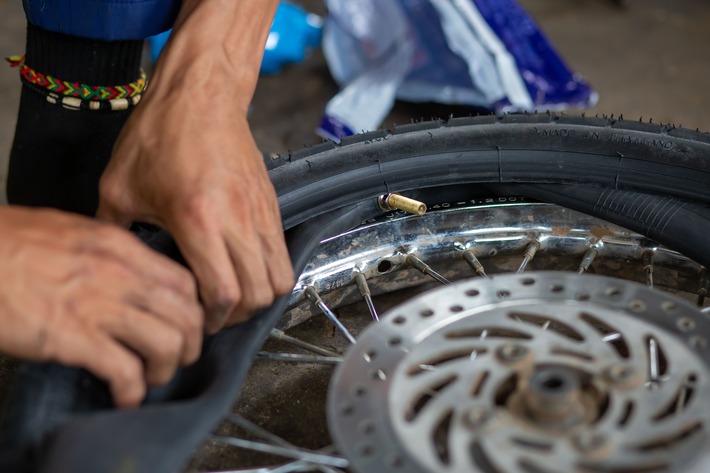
<point>108,20</point>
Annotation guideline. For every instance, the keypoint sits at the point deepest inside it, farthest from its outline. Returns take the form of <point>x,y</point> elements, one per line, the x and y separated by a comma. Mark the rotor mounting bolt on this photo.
<point>511,353</point>
<point>478,417</point>
<point>589,442</point>
<point>621,374</point>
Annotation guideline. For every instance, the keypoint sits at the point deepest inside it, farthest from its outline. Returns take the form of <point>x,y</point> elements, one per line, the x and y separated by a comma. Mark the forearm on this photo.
<point>216,48</point>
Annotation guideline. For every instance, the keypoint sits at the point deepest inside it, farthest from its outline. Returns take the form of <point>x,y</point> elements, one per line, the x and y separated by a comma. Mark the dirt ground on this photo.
<point>646,60</point>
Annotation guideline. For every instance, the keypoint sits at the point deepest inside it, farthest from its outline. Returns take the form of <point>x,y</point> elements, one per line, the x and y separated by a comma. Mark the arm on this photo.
<point>186,160</point>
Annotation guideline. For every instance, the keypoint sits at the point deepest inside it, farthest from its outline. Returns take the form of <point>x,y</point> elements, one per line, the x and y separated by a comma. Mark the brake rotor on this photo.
<point>535,372</point>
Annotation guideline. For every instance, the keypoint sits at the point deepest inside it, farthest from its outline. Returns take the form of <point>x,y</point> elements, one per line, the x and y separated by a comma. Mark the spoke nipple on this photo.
<point>532,248</point>
<point>587,260</point>
<point>389,202</point>
<point>424,268</point>
<point>529,254</point>
<point>648,256</point>
<point>474,263</point>
<point>361,282</point>
<point>312,295</point>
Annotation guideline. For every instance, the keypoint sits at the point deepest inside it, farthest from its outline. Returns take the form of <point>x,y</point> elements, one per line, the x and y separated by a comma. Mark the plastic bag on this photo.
<point>483,53</point>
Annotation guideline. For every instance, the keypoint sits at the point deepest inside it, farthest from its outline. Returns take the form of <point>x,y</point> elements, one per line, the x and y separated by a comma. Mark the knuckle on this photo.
<point>228,297</point>
<point>170,347</point>
<point>113,235</point>
<point>197,207</point>
<point>284,285</point>
<point>186,281</point>
<point>194,322</point>
<point>258,299</point>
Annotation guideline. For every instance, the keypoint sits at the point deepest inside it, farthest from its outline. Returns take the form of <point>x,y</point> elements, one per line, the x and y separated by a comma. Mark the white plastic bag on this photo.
<point>483,53</point>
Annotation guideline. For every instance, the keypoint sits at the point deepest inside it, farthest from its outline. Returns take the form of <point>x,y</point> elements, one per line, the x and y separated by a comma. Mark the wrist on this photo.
<point>216,49</point>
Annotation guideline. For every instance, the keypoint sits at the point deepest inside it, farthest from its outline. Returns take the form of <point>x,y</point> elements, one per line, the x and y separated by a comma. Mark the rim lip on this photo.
<point>340,389</point>
<point>390,238</point>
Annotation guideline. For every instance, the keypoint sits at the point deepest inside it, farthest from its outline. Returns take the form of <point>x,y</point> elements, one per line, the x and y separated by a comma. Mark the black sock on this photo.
<point>58,155</point>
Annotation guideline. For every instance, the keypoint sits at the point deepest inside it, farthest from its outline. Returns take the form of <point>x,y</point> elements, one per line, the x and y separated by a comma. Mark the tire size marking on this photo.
<point>656,143</point>
<point>563,132</point>
<point>615,138</point>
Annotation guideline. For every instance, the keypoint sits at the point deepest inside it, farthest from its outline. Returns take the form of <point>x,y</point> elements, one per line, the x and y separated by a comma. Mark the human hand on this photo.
<point>89,294</point>
<point>186,160</point>
<point>201,176</point>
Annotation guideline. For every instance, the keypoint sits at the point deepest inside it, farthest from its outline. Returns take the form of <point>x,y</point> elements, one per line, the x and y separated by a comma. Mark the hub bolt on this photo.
<point>621,374</point>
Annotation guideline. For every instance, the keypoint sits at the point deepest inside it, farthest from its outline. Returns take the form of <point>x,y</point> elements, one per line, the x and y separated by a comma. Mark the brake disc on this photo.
<point>535,372</point>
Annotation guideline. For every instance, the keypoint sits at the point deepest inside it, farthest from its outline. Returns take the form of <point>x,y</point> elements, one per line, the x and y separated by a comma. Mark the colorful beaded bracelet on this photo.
<point>77,96</point>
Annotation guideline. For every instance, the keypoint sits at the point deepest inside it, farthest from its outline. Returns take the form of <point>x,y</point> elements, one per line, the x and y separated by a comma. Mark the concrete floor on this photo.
<point>647,60</point>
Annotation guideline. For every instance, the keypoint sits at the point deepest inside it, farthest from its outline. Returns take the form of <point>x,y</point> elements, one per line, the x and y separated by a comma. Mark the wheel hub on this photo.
<point>534,372</point>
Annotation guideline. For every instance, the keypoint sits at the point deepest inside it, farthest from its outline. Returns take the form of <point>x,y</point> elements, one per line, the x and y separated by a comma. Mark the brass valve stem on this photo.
<point>395,201</point>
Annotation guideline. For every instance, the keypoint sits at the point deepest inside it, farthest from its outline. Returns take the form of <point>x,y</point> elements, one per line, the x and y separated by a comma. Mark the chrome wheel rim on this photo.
<point>502,235</point>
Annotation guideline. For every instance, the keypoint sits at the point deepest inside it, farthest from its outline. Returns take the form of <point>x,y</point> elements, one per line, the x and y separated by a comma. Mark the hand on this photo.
<point>186,160</point>
<point>200,175</point>
<point>88,294</point>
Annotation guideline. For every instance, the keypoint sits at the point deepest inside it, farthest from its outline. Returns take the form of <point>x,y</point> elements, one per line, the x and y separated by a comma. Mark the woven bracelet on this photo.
<point>77,96</point>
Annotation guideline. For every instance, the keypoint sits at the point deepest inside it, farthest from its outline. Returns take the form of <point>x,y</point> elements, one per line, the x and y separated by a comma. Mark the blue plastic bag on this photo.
<point>294,32</point>
<point>483,53</point>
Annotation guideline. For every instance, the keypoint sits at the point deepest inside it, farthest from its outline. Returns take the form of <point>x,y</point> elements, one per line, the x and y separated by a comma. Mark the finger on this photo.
<point>253,276</point>
<point>278,264</point>
<point>155,269</point>
<point>274,246</point>
<point>201,243</point>
<point>74,345</point>
<point>165,306</point>
<point>158,343</point>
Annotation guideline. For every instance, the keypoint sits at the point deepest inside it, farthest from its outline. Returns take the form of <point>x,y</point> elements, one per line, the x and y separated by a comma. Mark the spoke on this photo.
<point>364,289</point>
<point>291,467</point>
<point>298,358</point>
<point>529,254</point>
<point>288,452</point>
<point>476,265</point>
<point>318,302</point>
<point>703,291</point>
<point>587,260</point>
<point>260,432</point>
<point>424,268</point>
<point>277,334</point>
<point>298,465</point>
<point>648,257</point>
